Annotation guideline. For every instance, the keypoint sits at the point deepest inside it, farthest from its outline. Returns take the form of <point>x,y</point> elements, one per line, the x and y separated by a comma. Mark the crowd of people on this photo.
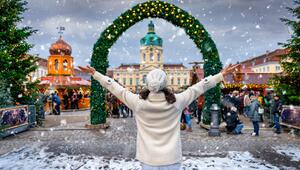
<point>250,104</point>
<point>115,108</point>
<point>253,105</point>
<point>69,100</point>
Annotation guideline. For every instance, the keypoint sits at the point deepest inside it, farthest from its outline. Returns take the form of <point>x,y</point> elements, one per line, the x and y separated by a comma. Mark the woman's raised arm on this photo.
<point>128,98</point>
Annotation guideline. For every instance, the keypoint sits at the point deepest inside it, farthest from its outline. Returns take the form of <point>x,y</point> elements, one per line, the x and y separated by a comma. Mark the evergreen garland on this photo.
<point>153,9</point>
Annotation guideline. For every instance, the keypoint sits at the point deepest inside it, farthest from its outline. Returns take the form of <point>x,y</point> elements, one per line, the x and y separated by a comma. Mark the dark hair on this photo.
<point>170,97</point>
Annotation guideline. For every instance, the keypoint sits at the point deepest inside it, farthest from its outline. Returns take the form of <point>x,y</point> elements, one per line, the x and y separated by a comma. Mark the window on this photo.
<point>268,69</point>
<point>253,63</point>
<point>144,57</point>
<point>264,70</point>
<point>172,81</point>
<point>130,81</point>
<point>158,57</point>
<point>118,74</point>
<point>277,68</point>
<point>124,81</point>
<point>185,81</point>
<point>56,64</point>
<point>137,81</point>
<point>178,81</point>
<point>151,57</point>
<point>144,79</point>
<point>65,65</point>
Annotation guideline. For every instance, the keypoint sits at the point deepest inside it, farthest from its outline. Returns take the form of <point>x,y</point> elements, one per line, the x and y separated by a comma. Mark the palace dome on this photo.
<point>60,47</point>
<point>151,38</point>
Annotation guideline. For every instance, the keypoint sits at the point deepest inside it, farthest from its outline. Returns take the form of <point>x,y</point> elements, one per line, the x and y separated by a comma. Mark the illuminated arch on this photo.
<point>153,9</point>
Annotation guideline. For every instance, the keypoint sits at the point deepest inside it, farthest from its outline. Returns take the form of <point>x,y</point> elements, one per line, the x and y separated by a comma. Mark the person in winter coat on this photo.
<point>56,103</point>
<point>188,116</point>
<point>233,123</point>
<point>254,115</point>
<point>276,109</point>
<point>246,103</point>
<point>157,112</point>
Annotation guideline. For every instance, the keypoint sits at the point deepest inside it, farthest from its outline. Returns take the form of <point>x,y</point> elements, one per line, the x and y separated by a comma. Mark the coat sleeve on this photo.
<point>128,98</point>
<point>188,96</point>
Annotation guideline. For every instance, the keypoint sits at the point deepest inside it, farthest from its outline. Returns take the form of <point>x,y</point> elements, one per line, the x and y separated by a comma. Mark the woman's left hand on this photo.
<point>87,69</point>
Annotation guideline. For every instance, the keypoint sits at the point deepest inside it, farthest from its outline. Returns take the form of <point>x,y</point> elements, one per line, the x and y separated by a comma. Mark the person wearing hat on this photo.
<point>157,113</point>
<point>276,109</point>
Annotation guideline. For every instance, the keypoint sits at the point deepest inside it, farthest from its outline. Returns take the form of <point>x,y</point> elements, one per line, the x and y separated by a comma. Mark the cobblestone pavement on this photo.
<point>70,137</point>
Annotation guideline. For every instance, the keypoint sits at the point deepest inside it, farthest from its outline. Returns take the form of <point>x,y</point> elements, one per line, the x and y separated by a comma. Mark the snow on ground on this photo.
<point>290,151</point>
<point>30,158</point>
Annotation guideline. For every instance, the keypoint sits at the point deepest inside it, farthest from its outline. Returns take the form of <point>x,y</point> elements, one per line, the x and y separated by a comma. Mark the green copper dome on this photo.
<point>151,38</point>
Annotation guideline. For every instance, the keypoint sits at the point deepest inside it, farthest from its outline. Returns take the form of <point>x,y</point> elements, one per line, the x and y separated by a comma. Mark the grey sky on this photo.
<point>240,28</point>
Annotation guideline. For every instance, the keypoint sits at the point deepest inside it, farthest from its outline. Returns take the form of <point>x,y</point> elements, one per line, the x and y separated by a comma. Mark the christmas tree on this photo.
<point>5,97</point>
<point>16,64</point>
<point>288,83</point>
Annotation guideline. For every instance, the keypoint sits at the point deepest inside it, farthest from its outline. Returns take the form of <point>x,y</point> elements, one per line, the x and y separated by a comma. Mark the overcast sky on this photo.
<point>240,28</point>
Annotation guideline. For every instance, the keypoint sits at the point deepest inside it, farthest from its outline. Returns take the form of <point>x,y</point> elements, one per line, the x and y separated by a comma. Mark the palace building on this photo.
<point>133,76</point>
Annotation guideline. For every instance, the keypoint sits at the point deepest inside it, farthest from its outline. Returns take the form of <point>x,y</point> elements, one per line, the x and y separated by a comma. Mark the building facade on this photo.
<point>256,72</point>
<point>41,71</point>
<point>133,76</point>
<point>266,63</point>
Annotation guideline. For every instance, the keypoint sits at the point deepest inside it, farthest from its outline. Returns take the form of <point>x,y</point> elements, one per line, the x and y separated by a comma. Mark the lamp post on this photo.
<point>214,125</point>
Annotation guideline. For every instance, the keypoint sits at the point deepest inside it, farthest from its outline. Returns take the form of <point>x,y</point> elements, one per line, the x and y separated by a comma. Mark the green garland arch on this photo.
<point>153,9</point>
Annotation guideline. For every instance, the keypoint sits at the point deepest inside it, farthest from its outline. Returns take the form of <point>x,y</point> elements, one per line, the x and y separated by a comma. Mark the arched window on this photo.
<point>158,57</point>
<point>151,57</point>
<point>65,65</point>
<point>56,64</point>
<point>144,78</point>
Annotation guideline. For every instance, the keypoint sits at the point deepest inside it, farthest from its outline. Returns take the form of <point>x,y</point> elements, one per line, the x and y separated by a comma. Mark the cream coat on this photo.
<point>158,122</point>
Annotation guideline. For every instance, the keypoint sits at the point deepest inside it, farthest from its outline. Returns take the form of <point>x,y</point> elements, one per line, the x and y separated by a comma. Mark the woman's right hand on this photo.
<point>87,69</point>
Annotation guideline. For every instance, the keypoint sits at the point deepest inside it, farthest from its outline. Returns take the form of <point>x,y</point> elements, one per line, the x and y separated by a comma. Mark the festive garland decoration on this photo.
<point>153,9</point>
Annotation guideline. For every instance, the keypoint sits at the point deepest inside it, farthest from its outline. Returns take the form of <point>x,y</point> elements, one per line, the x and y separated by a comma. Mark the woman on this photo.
<point>254,115</point>
<point>157,113</point>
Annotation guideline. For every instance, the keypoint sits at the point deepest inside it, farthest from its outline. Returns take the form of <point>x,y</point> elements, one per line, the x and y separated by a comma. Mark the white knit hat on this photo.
<point>156,80</point>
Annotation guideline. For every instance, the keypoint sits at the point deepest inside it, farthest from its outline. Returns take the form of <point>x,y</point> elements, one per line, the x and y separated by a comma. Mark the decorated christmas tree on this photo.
<point>16,64</point>
<point>5,97</point>
<point>288,83</point>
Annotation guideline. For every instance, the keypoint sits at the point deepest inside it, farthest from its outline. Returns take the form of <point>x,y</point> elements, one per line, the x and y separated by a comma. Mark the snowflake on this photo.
<point>233,28</point>
<point>257,26</point>
<point>68,19</point>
